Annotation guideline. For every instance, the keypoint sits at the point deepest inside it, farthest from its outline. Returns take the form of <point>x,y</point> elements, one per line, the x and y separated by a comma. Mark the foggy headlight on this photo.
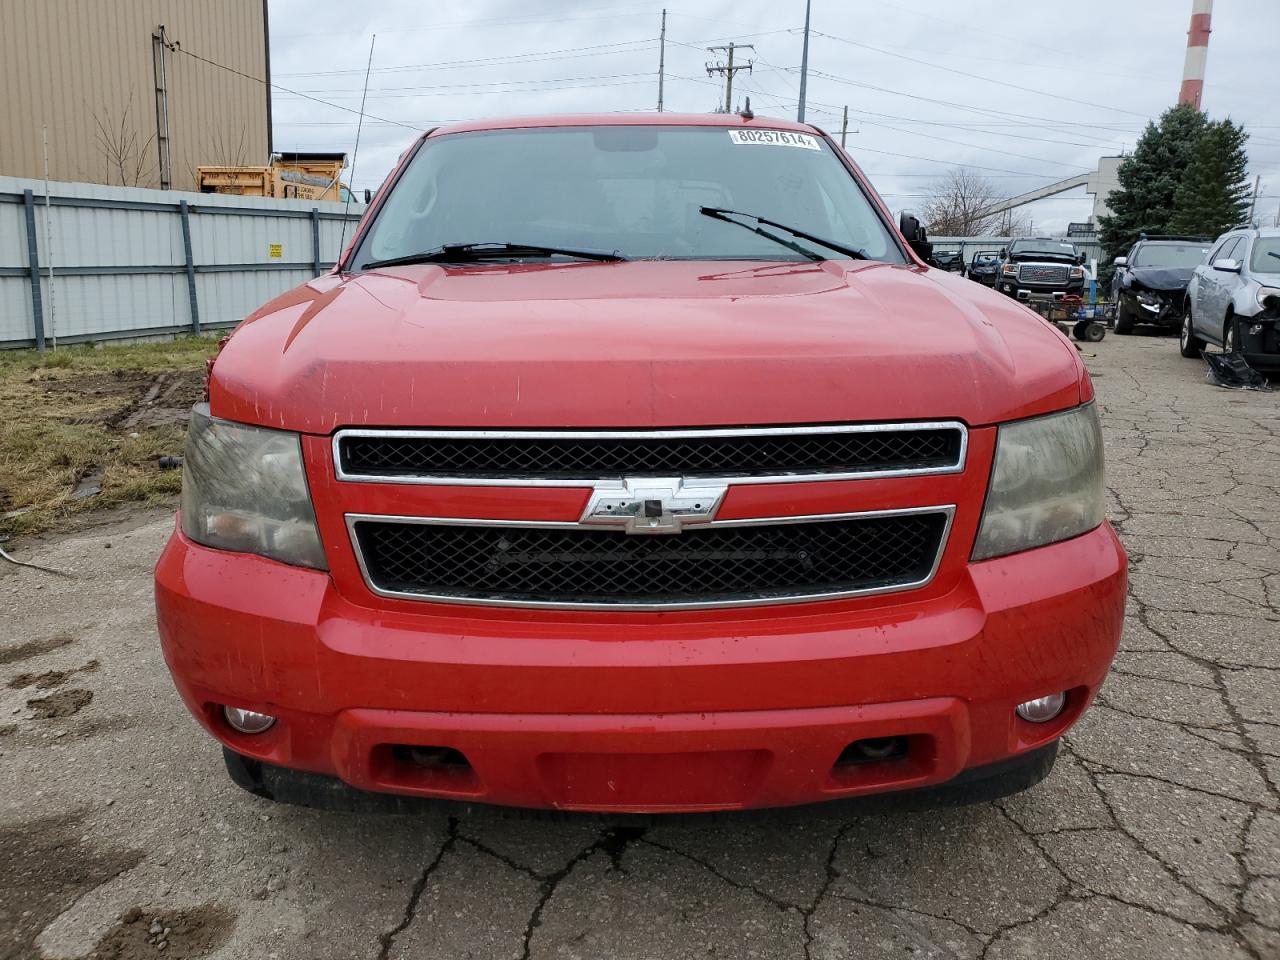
<point>1266,294</point>
<point>244,489</point>
<point>1046,483</point>
<point>1009,269</point>
<point>1077,273</point>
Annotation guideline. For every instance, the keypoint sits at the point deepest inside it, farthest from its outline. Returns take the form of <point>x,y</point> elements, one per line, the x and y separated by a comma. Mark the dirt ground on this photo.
<point>84,428</point>
<point>1157,837</point>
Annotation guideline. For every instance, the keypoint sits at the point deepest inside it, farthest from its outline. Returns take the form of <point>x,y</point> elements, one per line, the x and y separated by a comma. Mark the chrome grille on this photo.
<point>1042,273</point>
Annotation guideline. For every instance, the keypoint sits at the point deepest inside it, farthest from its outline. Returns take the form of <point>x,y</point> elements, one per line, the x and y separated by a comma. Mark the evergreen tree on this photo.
<point>1149,179</point>
<point>1214,193</point>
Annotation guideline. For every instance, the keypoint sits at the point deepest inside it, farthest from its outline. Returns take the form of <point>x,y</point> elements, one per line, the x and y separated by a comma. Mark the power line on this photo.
<point>984,111</point>
<point>276,86</point>
<point>450,88</point>
<point>538,56</point>
<point>489,22</point>
<point>950,163</point>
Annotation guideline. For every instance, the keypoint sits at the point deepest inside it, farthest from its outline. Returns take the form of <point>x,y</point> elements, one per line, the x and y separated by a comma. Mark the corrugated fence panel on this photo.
<point>15,309</point>
<point>227,298</point>
<point>119,257</point>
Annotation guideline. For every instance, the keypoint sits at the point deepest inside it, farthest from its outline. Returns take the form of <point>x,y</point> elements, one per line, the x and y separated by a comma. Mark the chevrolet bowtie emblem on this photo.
<point>652,505</point>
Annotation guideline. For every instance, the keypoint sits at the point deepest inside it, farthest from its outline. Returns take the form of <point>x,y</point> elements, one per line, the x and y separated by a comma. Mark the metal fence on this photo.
<point>128,262</point>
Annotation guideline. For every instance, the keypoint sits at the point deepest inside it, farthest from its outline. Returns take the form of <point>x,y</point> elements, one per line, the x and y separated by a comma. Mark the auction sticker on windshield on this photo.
<point>781,138</point>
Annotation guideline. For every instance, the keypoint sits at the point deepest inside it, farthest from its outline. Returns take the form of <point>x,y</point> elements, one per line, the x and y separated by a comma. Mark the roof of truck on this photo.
<point>628,119</point>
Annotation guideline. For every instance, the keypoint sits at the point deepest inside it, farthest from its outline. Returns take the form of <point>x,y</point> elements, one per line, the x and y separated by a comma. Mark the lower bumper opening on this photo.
<point>873,750</point>
<point>411,766</point>
<point>884,761</point>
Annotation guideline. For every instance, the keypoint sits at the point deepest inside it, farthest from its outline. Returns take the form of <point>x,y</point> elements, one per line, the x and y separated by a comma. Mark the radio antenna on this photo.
<point>355,153</point>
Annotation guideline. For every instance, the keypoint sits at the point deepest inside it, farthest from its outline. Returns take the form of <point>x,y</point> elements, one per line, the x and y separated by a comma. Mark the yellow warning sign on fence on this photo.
<point>276,250</point>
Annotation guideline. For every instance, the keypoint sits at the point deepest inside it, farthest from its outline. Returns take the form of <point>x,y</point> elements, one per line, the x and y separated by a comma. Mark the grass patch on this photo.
<point>104,414</point>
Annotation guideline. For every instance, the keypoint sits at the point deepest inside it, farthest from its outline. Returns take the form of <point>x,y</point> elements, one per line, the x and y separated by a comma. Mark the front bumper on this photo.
<point>1010,286</point>
<point>1259,340</point>
<point>1167,311</point>
<point>639,713</point>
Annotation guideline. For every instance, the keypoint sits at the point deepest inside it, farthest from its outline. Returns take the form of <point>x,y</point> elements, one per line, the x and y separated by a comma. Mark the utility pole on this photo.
<point>1253,204</point>
<point>844,126</point>
<point>159,43</point>
<point>729,69</point>
<point>662,56</point>
<point>804,64</point>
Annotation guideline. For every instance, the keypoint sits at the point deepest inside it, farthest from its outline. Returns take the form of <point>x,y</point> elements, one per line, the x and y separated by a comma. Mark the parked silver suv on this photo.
<point>1233,300</point>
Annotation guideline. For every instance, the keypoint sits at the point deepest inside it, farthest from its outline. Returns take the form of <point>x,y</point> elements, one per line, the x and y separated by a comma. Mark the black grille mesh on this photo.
<point>596,458</point>
<point>700,565</point>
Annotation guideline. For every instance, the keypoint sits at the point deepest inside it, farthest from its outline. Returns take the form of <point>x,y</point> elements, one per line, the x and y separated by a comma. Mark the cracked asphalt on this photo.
<point>1157,836</point>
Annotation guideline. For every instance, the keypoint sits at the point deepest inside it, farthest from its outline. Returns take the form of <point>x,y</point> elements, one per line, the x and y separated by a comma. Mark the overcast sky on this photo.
<point>1025,93</point>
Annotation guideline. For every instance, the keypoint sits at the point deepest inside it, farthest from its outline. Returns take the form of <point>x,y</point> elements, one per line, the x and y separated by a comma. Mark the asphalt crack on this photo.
<point>387,940</point>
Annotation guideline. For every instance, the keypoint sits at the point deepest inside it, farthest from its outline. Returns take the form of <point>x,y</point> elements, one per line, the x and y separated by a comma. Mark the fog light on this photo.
<point>249,721</point>
<point>1042,709</point>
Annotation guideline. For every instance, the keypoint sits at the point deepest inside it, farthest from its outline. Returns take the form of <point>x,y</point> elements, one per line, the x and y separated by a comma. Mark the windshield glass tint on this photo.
<point>1170,255</point>
<point>1266,255</point>
<point>633,189</point>
<point>1048,248</point>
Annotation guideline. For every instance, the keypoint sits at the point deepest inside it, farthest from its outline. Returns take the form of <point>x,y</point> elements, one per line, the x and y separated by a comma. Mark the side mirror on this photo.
<point>1227,266</point>
<point>916,237</point>
<point>1003,253</point>
<point>1120,261</point>
<point>1081,259</point>
<point>368,195</point>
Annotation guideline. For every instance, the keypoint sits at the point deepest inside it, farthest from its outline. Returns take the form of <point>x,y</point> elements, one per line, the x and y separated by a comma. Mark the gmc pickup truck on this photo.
<point>639,463</point>
<point>1040,268</point>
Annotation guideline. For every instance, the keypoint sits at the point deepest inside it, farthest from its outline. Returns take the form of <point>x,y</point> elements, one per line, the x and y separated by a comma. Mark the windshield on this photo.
<point>636,190</point>
<point>1266,255</point>
<point>984,259</point>
<point>1043,248</point>
<point>1170,254</point>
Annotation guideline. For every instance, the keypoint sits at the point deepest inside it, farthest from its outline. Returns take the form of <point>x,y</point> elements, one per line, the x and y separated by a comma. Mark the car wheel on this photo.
<point>1229,335</point>
<point>1189,345</point>
<point>1124,319</point>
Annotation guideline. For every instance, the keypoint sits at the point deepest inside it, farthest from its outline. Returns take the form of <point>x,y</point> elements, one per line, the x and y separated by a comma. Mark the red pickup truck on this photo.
<point>639,463</point>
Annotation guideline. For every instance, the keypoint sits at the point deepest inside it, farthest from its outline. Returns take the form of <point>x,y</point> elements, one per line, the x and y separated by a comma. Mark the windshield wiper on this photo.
<point>474,252</point>
<point>1272,253</point>
<point>720,213</point>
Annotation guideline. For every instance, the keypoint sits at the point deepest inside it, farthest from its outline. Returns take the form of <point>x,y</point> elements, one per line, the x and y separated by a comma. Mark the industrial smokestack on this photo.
<point>1197,53</point>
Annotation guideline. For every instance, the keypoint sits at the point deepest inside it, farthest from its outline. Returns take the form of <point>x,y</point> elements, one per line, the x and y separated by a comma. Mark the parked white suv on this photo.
<point>1233,300</point>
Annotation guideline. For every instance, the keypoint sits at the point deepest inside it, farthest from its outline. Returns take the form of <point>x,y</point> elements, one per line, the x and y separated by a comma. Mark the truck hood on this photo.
<point>1161,278</point>
<point>642,344</point>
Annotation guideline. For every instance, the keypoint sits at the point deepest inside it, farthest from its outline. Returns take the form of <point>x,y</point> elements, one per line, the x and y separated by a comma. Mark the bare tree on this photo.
<point>127,154</point>
<point>222,149</point>
<point>228,150</point>
<point>958,203</point>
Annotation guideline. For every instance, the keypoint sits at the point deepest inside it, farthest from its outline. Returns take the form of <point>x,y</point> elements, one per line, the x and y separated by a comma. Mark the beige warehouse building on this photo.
<point>87,70</point>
